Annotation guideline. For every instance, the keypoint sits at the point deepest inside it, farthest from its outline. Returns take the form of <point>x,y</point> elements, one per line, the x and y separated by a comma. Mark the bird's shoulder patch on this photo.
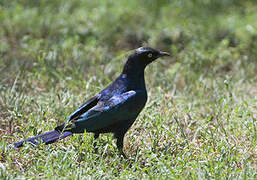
<point>120,99</point>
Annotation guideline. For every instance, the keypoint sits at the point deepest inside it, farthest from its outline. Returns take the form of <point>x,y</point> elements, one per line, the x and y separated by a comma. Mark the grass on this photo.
<point>200,119</point>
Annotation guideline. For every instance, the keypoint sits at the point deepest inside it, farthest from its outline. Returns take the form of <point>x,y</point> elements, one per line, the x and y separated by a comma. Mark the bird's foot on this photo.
<point>95,147</point>
<point>123,154</point>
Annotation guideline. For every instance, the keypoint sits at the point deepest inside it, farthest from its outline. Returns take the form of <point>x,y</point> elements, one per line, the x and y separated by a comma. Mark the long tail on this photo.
<point>47,138</point>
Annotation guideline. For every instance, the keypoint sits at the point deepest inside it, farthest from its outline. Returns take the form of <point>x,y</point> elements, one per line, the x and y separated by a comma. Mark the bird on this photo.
<point>114,109</point>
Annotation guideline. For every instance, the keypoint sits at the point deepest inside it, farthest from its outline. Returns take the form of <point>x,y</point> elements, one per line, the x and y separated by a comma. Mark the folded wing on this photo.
<point>84,107</point>
<point>79,111</point>
<point>117,109</point>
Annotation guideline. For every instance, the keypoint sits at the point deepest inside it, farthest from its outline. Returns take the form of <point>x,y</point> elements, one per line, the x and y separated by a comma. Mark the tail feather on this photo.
<point>47,138</point>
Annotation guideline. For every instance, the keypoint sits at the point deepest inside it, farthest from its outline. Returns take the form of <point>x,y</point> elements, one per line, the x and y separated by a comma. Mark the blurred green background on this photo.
<point>200,120</point>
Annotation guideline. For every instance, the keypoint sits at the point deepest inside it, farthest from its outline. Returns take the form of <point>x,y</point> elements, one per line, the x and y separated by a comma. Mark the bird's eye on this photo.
<point>150,55</point>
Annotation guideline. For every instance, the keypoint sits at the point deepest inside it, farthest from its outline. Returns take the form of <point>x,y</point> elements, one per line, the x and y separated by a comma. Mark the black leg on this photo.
<point>96,135</point>
<point>120,144</point>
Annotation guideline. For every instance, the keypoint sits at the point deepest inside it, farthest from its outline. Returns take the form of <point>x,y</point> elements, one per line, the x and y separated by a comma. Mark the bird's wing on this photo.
<point>117,109</point>
<point>84,107</point>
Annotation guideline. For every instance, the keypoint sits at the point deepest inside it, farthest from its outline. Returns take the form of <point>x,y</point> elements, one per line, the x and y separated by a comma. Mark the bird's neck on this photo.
<point>134,67</point>
<point>134,73</point>
<point>133,70</point>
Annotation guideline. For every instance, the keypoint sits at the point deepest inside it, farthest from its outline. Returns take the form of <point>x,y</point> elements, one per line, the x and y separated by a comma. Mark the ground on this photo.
<point>200,118</point>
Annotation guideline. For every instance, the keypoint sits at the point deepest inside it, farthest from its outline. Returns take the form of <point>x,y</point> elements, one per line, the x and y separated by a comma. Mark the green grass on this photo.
<point>200,118</point>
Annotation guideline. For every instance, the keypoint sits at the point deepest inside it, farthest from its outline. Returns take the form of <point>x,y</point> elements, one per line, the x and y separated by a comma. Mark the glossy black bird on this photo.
<point>114,109</point>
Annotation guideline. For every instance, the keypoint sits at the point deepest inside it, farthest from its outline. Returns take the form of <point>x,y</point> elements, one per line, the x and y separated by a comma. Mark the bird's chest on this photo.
<point>138,103</point>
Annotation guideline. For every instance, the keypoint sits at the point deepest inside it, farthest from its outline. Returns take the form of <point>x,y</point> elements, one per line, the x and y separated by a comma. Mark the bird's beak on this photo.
<point>163,54</point>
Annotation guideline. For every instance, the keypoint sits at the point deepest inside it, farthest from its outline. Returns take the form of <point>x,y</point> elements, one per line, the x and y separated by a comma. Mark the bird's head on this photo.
<point>146,55</point>
<point>142,57</point>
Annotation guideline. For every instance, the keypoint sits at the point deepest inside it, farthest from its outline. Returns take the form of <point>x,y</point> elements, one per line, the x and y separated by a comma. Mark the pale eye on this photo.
<point>150,55</point>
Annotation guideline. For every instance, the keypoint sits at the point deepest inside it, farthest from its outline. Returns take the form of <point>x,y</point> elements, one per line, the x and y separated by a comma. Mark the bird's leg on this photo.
<point>120,145</point>
<point>96,135</point>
